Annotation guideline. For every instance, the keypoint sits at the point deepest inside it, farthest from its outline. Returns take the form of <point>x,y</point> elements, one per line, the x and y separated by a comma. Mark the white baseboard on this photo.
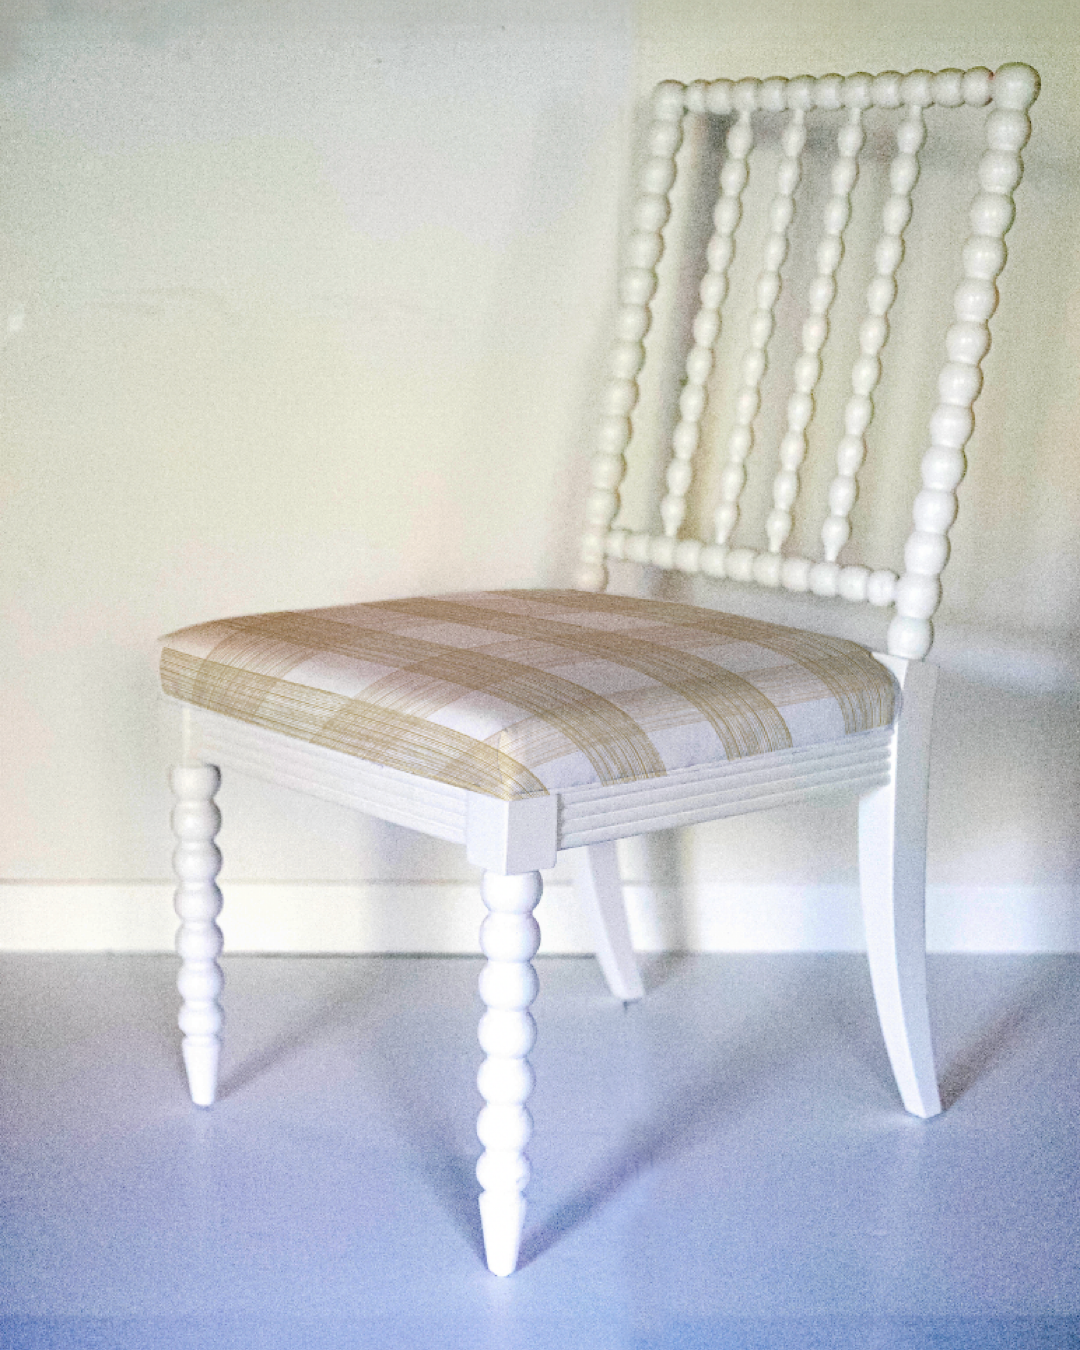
<point>443,917</point>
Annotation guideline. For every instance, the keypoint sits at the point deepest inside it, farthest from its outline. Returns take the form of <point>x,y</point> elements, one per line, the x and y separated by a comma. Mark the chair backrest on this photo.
<point>886,115</point>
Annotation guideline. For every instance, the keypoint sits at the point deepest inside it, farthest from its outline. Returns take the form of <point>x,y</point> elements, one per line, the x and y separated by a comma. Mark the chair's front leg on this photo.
<point>509,937</point>
<point>196,820</point>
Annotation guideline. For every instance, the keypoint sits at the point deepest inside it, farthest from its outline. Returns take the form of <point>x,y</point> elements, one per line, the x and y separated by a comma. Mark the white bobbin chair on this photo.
<point>523,723</point>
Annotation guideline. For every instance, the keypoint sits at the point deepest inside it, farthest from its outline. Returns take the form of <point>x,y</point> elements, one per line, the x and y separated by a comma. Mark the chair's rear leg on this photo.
<point>600,890</point>
<point>892,875</point>
<point>196,820</point>
<point>509,938</point>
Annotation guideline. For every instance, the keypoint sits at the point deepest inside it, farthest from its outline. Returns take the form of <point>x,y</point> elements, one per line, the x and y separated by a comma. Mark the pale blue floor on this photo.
<point>725,1164</point>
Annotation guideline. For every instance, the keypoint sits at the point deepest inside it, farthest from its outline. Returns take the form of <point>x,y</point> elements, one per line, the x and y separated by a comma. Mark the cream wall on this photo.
<point>306,303</point>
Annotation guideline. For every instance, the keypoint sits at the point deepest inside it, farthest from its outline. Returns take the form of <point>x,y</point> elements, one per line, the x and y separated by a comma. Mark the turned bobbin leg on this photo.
<point>509,937</point>
<point>197,861</point>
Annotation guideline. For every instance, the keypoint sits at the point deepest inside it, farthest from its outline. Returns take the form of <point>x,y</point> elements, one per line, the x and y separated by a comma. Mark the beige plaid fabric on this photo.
<point>522,693</point>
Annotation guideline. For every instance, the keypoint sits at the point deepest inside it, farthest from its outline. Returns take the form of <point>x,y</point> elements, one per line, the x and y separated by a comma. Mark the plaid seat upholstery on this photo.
<point>521,693</point>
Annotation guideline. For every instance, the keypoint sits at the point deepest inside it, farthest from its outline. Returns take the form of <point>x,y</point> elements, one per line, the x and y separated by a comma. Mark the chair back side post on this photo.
<point>913,592</point>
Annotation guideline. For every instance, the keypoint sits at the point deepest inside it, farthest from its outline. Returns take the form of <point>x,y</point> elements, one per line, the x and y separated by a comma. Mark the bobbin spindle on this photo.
<point>815,330</point>
<point>637,285</point>
<point>706,330</point>
<point>762,320</point>
<point>1011,91</point>
<point>880,294</point>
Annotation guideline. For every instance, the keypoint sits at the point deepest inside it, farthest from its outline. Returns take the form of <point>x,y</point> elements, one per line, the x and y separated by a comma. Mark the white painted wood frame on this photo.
<point>513,842</point>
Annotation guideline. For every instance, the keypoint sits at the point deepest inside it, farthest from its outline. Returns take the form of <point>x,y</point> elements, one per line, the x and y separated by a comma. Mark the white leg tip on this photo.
<point>926,1104</point>
<point>629,990</point>
<point>201,1062</point>
<point>502,1218</point>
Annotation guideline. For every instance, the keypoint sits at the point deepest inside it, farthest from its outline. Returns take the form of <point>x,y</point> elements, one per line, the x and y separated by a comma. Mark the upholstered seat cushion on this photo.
<point>521,693</point>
